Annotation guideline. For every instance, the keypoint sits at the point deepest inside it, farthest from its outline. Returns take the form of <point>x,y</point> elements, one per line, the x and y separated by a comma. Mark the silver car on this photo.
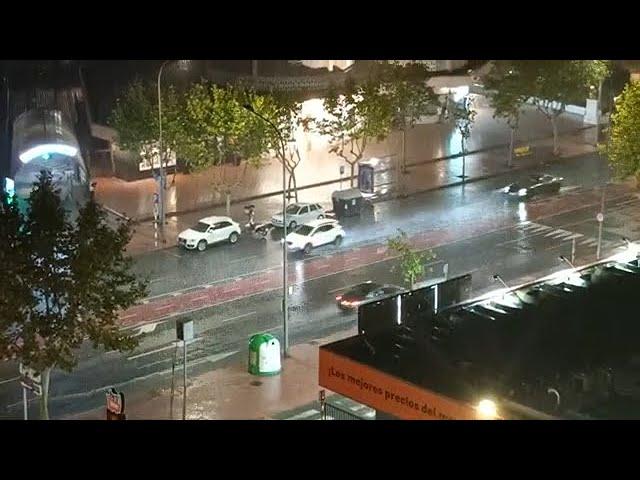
<point>299,214</point>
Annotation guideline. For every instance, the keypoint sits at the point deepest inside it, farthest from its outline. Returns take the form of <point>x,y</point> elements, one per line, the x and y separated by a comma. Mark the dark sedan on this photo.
<point>533,185</point>
<point>355,296</point>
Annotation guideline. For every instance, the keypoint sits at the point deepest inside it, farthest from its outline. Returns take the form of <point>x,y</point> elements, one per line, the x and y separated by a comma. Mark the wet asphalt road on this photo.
<point>525,251</point>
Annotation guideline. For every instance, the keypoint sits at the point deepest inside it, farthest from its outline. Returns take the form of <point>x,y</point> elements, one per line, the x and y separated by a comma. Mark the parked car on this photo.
<point>208,231</point>
<point>355,296</point>
<point>533,185</point>
<point>298,214</point>
<point>313,234</point>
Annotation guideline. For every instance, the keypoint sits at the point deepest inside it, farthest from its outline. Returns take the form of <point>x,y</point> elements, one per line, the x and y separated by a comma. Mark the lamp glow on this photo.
<point>487,409</point>
<point>46,150</point>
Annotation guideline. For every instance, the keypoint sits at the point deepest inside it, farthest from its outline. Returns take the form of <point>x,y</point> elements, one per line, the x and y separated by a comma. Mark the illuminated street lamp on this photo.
<point>487,409</point>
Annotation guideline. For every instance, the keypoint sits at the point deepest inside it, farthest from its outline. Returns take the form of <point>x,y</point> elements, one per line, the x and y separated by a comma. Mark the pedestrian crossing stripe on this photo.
<point>575,235</point>
<point>540,228</point>
<point>557,233</point>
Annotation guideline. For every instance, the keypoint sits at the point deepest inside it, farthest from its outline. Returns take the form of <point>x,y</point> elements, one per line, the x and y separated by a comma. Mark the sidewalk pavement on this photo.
<point>231,393</point>
<point>419,178</point>
<point>423,143</point>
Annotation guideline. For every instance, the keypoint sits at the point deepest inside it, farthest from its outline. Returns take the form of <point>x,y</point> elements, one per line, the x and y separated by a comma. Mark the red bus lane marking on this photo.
<point>349,260</point>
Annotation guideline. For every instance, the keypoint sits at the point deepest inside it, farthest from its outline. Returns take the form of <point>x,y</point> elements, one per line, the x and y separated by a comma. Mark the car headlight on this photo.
<point>522,192</point>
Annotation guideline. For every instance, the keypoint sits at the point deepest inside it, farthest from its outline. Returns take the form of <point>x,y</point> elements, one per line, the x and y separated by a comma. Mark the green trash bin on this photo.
<point>264,355</point>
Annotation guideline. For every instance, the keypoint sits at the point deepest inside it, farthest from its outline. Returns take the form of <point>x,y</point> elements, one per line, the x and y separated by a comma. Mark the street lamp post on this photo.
<point>285,291</point>
<point>161,169</point>
<point>163,178</point>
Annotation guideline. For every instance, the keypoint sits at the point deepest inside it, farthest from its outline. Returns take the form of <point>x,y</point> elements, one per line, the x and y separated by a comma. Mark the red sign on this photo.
<point>115,402</point>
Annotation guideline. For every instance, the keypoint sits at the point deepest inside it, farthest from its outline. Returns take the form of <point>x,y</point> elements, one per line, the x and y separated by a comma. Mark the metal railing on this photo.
<point>329,411</point>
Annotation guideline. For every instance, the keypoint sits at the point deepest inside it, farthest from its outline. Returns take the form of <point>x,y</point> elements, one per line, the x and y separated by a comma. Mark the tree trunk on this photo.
<point>510,159</point>
<point>353,172</point>
<point>554,125</point>
<point>464,160</point>
<point>44,399</point>
<point>404,150</point>
<point>228,202</point>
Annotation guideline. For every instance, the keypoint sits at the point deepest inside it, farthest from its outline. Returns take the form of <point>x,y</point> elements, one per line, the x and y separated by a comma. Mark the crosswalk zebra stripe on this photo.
<point>561,233</point>
<point>530,225</point>
<point>575,235</point>
<point>541,228</point>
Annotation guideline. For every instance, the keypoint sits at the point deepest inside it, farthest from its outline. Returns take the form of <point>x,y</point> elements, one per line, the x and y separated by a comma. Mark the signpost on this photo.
<point>30,379</point>
<point>115,405</point>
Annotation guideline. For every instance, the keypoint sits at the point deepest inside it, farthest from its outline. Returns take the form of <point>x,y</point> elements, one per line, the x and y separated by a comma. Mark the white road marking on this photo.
<point>262,331</point>
<point>10,380</point>
<point>563,234</point>
<point>176,294</point>
<point>575,235</point>
<point>151,352</point>
<point>238,316</point>
<point>164,306</point>
<point>159,279</point>
<point>162,349</point>
<point>590,243</point>
<point>244,259</point>
<point>128,316</point>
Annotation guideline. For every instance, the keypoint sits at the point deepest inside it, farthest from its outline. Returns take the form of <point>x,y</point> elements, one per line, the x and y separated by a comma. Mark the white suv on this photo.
<point>314,234</point>
<point>298,214</point>
<point>208,231</point>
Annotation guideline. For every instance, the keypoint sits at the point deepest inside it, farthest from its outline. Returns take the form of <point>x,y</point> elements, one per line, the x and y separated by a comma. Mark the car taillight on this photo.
<point>338,298</point>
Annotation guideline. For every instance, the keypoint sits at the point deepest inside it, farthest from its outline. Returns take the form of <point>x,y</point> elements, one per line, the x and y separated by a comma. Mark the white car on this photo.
<point>208,231</point>
<point>298,214</point>
<point>314,234</point>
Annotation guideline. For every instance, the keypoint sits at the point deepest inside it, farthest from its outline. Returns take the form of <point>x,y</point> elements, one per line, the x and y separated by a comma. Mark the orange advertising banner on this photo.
<point>387,393</point>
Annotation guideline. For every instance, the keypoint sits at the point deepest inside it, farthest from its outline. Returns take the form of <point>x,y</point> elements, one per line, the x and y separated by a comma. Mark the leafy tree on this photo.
<point>362,114</point>
<point>623,146</point>
<point>504,85</point>
<point>217,131</point>
<point>72,280</point>
<point>135,118</point>
<point>463,116</point>
<point>412,263</point>
<point>552,84</point>
<point>284,113</point>
<point>410,95</point>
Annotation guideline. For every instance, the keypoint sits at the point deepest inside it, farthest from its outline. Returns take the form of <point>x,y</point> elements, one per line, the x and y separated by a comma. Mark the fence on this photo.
<point>329,411</point>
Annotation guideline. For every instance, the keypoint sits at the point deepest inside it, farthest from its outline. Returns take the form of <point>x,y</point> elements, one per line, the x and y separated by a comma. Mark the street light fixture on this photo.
<point>182,65</point>
<point>285,299</point>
